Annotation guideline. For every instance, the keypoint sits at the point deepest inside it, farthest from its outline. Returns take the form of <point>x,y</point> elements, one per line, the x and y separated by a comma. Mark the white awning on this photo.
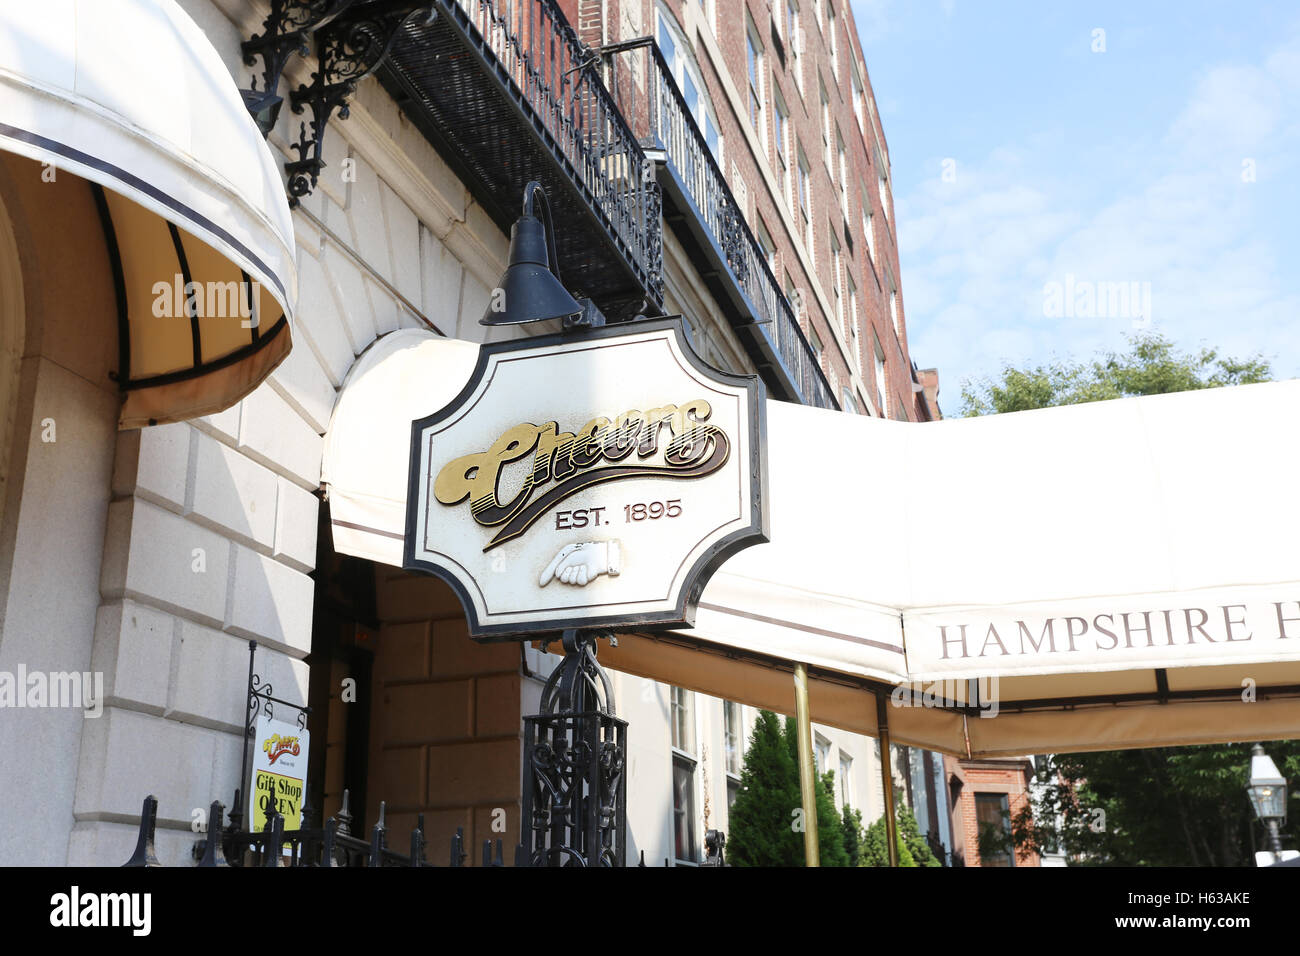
<point>1118,574</point>
<point>131,97</point>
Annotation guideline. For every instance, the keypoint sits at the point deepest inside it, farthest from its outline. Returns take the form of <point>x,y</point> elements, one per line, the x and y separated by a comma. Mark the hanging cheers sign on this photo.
<point>587,479</point>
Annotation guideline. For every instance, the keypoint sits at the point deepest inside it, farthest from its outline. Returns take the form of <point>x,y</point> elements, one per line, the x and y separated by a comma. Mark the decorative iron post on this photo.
<point>574,788</point>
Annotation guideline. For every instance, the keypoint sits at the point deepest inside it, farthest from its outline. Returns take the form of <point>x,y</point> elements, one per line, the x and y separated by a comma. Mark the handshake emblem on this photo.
<point>576,564</point>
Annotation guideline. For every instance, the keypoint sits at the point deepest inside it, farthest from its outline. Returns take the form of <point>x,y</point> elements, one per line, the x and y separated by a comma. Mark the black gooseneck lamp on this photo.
<point>530,288</point>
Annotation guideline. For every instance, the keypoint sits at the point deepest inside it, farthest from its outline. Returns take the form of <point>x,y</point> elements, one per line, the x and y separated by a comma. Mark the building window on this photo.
<point>782,136</point>
<point>846,780</point>
<point>836,288</point>
<point>815,341</point>
<point>795,38</point>
<point>689,80</point>
<point>902,409</point>
<point>793,296</point>
<point>844,174</point>
<point>731,735</point>
<point>706,8</point>
<point>884,191</point>
<point>767,245</point>
<point>684,842</point>
<point>754,55</point>
<point>858,96</point>
<point>805,201</point>
<point>869,228</point>
<point>993,818</point>
<point>683,720</point>
<point>893,310</point>
<point>847,402</point>
<point>835,47</point>
<point>851,319</point>
<point>822,752</point>
<point>826,128</point>
<point>882,385</point>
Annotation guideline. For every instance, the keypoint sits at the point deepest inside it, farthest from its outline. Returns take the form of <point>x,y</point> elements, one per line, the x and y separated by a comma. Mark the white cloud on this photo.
<point>976,253</point>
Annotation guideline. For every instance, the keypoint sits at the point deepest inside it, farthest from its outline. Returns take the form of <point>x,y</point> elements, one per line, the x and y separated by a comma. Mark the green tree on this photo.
<point>761,820</point>
<point>910,833</point>
<point>1163,806</point>
<point>1097,807</point>
<point>874,845</point>
<point>830,828</point>
<point>851,826</point>
<point>912,848</point>
<point>1151,366</point>
<point>830,836</point>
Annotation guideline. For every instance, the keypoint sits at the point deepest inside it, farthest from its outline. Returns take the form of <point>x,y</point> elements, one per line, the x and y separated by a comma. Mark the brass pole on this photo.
<point>807,776</point>
<point>887,776</point>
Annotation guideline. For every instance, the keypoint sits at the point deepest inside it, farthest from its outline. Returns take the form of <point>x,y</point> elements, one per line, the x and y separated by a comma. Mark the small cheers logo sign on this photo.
<point>276,746</point>
<point>279,773</point>
<point>544,514</point>
<point>601,451</point>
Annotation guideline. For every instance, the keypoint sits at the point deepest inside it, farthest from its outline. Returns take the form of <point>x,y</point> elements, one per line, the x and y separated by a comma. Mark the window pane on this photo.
<point>731,733</point>
<point>692,95</point>
<point>667,46</point>
<point>684,810</point>
<point>683,720</point>
<point>992,819</point>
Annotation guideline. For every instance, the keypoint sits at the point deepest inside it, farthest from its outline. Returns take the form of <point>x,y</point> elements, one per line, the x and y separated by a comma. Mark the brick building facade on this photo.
<point>986,796</point>
<point>789,114</point>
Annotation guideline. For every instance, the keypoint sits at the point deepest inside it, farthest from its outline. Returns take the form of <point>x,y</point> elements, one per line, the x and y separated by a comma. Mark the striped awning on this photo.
<point>131,97</point>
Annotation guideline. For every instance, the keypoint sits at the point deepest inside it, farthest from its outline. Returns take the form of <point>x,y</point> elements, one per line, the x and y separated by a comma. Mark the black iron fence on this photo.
<point>655,106</point>
<point>332,845</point>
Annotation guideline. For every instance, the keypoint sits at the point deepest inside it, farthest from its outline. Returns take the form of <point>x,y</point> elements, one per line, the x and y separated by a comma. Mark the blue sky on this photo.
<point>1169,162</point>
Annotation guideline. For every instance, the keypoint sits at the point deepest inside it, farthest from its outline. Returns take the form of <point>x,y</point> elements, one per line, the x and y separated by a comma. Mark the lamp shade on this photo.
<point>528,291</point>
<point>1267,789</point>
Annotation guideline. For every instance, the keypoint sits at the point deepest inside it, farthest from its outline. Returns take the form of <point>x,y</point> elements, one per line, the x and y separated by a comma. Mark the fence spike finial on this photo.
<point>213,854</point>
<point>144,851</point>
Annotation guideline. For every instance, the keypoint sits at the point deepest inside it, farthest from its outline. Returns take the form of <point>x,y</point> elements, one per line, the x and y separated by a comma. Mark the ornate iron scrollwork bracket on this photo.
<point>350,41</point>
<point>574,785</point>
<point>285,31</point>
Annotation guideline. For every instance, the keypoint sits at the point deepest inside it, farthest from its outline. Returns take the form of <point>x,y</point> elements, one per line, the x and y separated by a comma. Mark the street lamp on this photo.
<point>530,289</point>
<point>1267,792</point>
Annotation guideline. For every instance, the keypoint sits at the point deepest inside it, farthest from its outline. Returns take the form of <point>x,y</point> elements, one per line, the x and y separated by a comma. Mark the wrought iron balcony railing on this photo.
<point>507,94</point>
<point>763,315</point>
<point>511,95</point>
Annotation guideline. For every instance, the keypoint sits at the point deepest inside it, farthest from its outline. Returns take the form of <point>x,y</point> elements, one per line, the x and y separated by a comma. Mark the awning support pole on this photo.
<point>887,778</point>
<point>807,777</point>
